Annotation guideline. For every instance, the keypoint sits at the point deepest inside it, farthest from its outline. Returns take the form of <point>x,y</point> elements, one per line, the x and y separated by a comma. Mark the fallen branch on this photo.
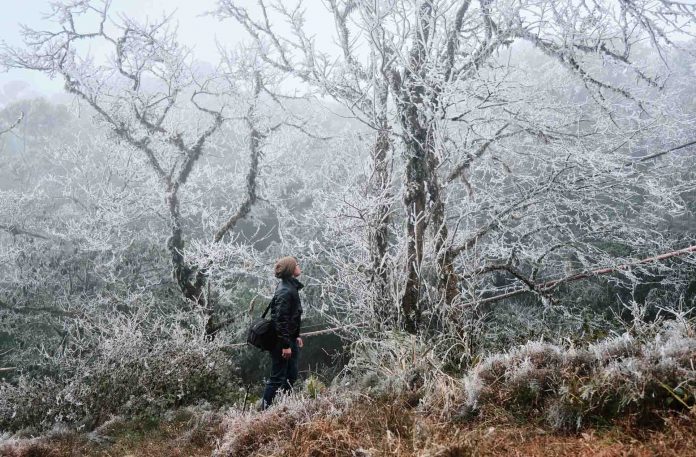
<point>15,230</point>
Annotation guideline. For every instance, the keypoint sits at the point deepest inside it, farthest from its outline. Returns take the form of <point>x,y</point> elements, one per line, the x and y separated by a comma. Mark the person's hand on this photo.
<point>300,343</point>
<point>287,353</point>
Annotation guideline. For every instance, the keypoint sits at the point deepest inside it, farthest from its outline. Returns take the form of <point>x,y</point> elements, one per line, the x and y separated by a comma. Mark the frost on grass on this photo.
<point>571,385</point>
<point>266,432</point>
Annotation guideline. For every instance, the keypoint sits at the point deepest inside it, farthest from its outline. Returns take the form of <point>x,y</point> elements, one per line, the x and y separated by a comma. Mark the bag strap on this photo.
<point>263,316</point>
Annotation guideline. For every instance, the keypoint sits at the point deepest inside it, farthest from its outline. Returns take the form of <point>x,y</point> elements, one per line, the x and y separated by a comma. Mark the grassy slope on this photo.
<point>394,429</point>
<point>375,428</point>
<point>181,435</point>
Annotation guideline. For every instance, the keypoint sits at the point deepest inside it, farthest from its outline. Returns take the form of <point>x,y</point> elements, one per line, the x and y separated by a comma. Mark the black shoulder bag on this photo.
<point>261,332</point>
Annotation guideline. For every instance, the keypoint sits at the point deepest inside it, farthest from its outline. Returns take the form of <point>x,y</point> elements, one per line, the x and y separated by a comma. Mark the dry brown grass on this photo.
<point>369,427</point>
<point>677,437</point>
<point>187,435</point>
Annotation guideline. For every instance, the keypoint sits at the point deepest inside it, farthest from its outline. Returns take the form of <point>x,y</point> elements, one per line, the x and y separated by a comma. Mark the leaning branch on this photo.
<point>15,230</point>
<point>550,285</point>
<point>326,331</point>
<point>659,154</point>
<point>255,138</point>
<point>13,126</point>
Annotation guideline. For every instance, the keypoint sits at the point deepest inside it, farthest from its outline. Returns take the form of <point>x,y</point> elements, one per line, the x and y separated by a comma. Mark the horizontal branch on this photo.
<point>550,285</point>
<point>659,154</point>
<point>15,230</point>
<point>39,309</point>
<point>13,125</point>
<point>326,331</point>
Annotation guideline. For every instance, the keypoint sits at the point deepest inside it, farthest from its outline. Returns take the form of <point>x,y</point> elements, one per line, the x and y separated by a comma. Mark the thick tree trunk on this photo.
<point>425,209</point>
<point>416,224</point>
<point>418,142</point>
<point>447,283</point>
<point>190,280</point>
<point>379,226</point>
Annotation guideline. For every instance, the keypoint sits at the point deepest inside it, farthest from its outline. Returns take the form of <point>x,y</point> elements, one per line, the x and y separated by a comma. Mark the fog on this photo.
<point>458,178</point>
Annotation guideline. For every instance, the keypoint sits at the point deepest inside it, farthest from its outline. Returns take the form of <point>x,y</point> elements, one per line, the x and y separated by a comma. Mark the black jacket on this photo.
<point>286,310</point>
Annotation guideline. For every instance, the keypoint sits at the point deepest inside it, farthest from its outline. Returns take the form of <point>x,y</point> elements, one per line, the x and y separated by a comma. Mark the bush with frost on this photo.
<point>392,362</point>
<point>129,365</point>
<point>264,433</point>
<point>569,385</point>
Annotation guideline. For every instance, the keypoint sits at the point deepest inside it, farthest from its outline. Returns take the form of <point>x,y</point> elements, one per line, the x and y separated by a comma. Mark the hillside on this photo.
<point>624,395</point>
<point>375,429</point>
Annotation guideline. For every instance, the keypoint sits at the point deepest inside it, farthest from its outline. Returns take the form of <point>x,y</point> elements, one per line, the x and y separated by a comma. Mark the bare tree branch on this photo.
<point>548,286</point>
<point>13,125</point>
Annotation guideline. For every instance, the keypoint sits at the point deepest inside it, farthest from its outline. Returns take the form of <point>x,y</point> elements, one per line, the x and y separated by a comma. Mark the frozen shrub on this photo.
<point>526,372</point>
<point>203,424</point>
<point>135,366</point>
<point>615,348</point>
<point>570,385</point>
<point>444,399</point>
<point>395,362</point>
<point>246,433</point>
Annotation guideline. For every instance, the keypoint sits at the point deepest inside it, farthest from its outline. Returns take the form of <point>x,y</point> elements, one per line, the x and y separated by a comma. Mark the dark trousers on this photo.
<point>283,372</point>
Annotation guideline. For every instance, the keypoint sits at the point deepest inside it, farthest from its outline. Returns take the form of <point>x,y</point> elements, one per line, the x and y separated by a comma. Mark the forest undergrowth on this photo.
<point>374,427</point>
<point>631,394</point>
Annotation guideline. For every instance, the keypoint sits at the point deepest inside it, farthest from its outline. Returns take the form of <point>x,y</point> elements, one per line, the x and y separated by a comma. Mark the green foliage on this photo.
<point>314,386</point>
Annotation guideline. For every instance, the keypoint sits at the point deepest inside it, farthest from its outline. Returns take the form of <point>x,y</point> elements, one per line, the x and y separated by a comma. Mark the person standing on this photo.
<point>286,315</point>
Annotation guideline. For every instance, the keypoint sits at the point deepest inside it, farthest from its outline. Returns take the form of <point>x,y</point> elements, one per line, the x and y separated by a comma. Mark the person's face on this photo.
<point>298,271</point>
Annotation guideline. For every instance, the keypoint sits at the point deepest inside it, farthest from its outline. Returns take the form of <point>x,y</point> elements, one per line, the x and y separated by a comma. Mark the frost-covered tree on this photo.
<point>527,131</point>
<point>156,99</point>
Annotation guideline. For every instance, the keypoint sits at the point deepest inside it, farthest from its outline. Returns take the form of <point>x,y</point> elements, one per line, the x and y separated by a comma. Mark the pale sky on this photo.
<point>195,30</point>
